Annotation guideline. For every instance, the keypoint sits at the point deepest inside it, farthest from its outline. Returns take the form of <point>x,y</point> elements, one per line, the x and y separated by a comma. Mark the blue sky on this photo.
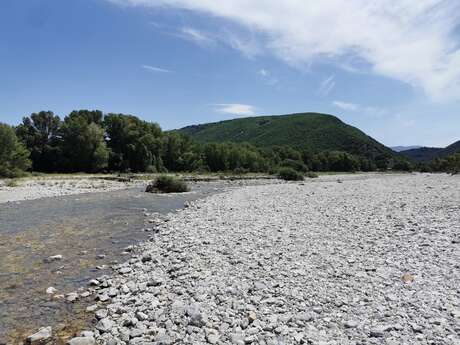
<point>392,68</point>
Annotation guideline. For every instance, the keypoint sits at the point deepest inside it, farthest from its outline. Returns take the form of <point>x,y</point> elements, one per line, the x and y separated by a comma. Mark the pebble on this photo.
<point>42,336</point>
<point>318,263</point>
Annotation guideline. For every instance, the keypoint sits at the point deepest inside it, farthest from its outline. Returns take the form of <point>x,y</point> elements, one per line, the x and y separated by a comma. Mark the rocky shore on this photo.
<point>345,261</point>
<point>37,188</point>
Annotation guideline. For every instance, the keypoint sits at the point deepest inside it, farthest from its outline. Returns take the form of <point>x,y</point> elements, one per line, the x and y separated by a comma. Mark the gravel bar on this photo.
<point>345,261</point>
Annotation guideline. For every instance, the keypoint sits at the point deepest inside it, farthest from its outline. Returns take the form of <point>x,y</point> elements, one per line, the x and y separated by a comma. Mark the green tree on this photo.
<point>83,145</point>
<point>40,134</point>
<point>14,157</point>
<point>453,163</point>
<point>135,145</point>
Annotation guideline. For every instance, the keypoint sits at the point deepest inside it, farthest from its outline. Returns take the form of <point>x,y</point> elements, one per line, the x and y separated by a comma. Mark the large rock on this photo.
<point>43,336</point>
<point>82,341</point>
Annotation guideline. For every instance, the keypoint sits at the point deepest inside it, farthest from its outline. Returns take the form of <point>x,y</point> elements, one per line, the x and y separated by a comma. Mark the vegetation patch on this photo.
<point>289,174</point>
<point>167,184</point>
<point>12,183</point>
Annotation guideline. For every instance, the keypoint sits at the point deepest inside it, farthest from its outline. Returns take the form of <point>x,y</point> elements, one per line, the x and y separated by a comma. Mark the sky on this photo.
<point>389,67</point>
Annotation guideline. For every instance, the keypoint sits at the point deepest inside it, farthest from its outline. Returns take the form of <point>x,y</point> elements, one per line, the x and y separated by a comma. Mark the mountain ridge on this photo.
<point>312,131</point>
<point>427,154</point>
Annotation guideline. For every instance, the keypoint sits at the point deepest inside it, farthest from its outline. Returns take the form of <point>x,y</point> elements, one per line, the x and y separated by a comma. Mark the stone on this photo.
<point>351,324</point>
<point>53,258</point>
<point>407,278</point>
<point>252,316</point>
<point>43,336</point>
<point>71,297</point>
<point>94,282</point>
<point>82,341</point>
<point>104,325</point>
<point>101,314</point>
<point>91,308</point>
<point>51,290</point>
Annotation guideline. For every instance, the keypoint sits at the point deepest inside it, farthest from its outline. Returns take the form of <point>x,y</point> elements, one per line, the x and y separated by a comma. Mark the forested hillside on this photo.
<point>90,141</point>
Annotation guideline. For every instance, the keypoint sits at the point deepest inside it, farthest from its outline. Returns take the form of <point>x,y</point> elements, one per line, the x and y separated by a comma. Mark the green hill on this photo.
<point>313,131</point>
<point>427,154</point>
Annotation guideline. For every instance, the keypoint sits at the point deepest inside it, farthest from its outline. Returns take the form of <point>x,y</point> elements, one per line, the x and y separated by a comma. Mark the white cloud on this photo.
<point>197,36</point>
<point>326,86</point>
<point>155,69</point>
<point>409,40</point>
<point>236,109</point>
<point>375,112</point>
<point>346,105</point>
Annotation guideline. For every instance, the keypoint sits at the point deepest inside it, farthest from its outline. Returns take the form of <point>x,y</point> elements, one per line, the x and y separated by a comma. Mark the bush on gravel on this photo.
<point>289,174</point>
<point>167,184</point>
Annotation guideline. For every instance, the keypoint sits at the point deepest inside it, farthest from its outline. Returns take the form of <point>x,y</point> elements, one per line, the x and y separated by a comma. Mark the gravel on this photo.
<point>31,189</point>
<point>363,261</point>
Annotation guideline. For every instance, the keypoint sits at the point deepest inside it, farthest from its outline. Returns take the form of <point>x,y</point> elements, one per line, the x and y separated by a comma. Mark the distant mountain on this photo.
<point>313,131</point>
<point>404,148</point>
<point>426,154</point>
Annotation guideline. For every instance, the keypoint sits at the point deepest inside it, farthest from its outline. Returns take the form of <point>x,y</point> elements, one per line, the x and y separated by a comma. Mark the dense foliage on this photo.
<point>311,131</point>
<point>89,141</point>
<point>14,158</point>
<point>167,184</point>
<point>289,174</point>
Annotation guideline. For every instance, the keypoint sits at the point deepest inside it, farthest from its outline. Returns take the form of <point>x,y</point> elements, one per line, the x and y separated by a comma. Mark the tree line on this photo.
<point>90,141</point>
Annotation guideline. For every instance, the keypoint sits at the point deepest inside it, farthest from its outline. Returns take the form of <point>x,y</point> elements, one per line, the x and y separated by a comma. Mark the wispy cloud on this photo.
<point>375,112</point>
<point>414,41</point>
<point>155,69</point>
<point>197,36</point>
<point>346,105</point>
<point>235,109</point>
<point>326,86</point>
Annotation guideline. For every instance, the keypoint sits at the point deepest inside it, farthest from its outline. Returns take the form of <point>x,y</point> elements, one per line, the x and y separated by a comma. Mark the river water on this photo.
<point>81,228</point>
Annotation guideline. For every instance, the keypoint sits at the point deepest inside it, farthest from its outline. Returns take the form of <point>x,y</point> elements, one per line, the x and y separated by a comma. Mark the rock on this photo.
<point>407,278</point>
<point>101,314</point>
<point>351,324</point>
<point>195,316</point>
<point>100,256</point>
<point>94,282</point>
<point>252,316</point>
<point>91,308</point>
<point>212,337</point>
<point>87,334</point>
<point>71,297</point>
<point>51,290</point>
<point>141,316</point>
<point>125,270</point>
<point>82,341</point>
<point>43,336</point>
<point>53,258</point>
<point>104,325</point>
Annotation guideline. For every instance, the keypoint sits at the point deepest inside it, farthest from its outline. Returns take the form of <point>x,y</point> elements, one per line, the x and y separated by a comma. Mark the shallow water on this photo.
<point>79,227</point>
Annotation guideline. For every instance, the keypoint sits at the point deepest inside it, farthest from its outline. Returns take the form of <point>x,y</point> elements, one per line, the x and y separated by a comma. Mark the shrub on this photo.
<point>296,165</point>
<point>167,184</point>
<point>289,174</point>
<point>12,183</point>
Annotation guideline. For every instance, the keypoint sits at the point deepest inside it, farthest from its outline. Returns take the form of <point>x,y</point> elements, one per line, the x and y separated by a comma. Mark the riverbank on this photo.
<point>344,261</point>
<point>86,233</point>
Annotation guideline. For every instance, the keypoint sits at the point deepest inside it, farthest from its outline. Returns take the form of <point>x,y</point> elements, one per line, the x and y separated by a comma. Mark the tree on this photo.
<point>135,145</point>
<point>453,163</point>
<point>40,134</point>
<point>83,145</point>
<point>14,157</point>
